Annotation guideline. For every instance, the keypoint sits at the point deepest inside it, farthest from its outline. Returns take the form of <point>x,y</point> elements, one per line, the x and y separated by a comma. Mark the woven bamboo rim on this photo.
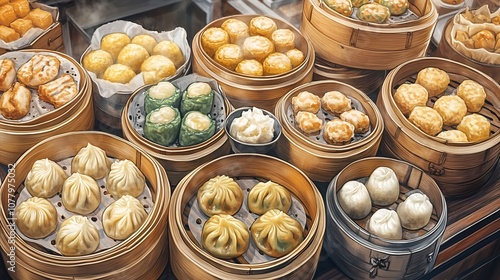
<point>188,255</point>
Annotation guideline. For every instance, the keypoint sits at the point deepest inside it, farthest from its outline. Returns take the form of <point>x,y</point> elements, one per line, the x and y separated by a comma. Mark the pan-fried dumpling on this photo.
<point>308,122</point>
<point>58,92</point>
<point>357,118</point>
<point>385,223</point>
<point>409,96</point>
<point>434,80</point>
<point>335,102</point>
<point>45,178</point>
<point>475,126</point>
<point>415,212</point>
<point>123,217</point>
<point>40,69</point>
<point>306,101</point>
<point>15,102</point>
<point>7,74</point>
<point>426,119</point>
<point>453,135</point>
<point>81,194</point>
<point>451,108</point>
<point>225,236</point>
<point>92,161</point>
<point>125,178</point>
<point>268,195</point>
<point>383,186</point>
<point>36,217</point>
<point>77,236</point>
<point>276,233</point>
<point>355,200</point>
<point>262,26</point>
<point>338,132</point>
<point>220,195</point>
<point>473,94</point>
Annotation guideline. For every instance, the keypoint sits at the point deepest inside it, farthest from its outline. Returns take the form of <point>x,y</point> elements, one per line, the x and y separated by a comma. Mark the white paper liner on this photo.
<point>95,217</point>
<point>39,107</point>
<point>178,36</point>
<point>34,32</point>
<point>196,220</point>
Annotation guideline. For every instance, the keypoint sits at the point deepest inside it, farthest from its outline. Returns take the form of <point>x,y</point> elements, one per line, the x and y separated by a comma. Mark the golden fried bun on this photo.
<point>408,96</point>
<point>475,126</point>
<point>170,50</point>
<point>15,102</point>
<point>473,94</point>
<point>263,26</point>
<point>484,39</point>
<point>276,63</point>
<point>308,122</point>
<point>335,102</point>
<point>114,43</point>
<point>338,132</point>
<point>451,108</point>
<point>229,55</point>
<point>360,120</point>
<point>257,47</point>
<point>97,61</point>
<point>236,29</point>
<point>133,56</point>
<point>118,73</point>
<point>145,40</point>
<point>453,135</point>
<point>434,80</point>
<point>296,57</point>
<point>283,40</point>
<point>426,119</point>
<point>156,68</point>
<point>250,67</point>
<point>213,38</point>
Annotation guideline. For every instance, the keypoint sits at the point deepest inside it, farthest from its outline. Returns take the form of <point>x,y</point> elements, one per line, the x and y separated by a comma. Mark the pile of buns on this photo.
<point>17,17</point>
<point>376,11</point>
<point>487,38</point>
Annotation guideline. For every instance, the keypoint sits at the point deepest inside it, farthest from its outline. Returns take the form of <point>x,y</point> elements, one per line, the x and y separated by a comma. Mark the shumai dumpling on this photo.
<point>250,67</point>
<point>156,68</point>
<point>453,135</point>
<point>426,119</point>
<point>36,217</point>
<point>343,7</point>
<point>276,63</point>
<point>81,194</point>
<point>451,108</point>
<point>283,40</point>
<point>357,118</point>
<point>123,217</point>
<point>92,161</point>
<point>229,55</point>
<point>336,102</point>
<point>97,61</point>
<point>132,55</point>
<point>373,12</point>
<point>77,236</point>
<point>434,80</point>
<point>308,122</point>
<point>257,47</point>
<point>338,132</point>
<point>306,101</point>
<point>170,50</point>
<point>396,7</point>
<point>263,26</point>
<point>220,195</point>
<point>113,43</point>
<point>476,127</point>
<point>45,178</point>
<point>473,94</point>
<point>237,30</point>
<point>296,57</point>
<point>213,38</point>
<point>484,39</point>
<point>408,96</point>
<point>118,73</point>
<point>125,179</point>
<point>225,237</point>
<point>145,40</point>
<point>265,196</point>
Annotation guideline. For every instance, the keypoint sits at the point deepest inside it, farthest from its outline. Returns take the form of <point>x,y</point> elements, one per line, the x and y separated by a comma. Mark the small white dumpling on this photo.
<point>36,217</point>
<point>81,194</point>
<point>355,200</point>
<point>415,212</point>
<point>268,195</point>
<point>253,127</point>
<point>77,236</point>
<point>383,186</point>
<point>125,178</point>
<point>92,161</point>
<point>123,217</point>
<point>385,223</point>
<point>45,178</point>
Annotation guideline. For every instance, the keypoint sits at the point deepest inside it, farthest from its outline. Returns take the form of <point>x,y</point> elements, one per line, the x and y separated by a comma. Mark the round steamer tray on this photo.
<point>39,108</point>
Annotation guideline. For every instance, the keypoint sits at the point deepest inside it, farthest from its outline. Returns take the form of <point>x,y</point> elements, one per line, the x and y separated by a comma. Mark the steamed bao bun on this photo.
<point>170,50</point>
<point>118,73</point>
<point>97,61</point>
<point>156,68</point>
<point>145,40</point>
<point>113,43</point>
<point>132,55</point>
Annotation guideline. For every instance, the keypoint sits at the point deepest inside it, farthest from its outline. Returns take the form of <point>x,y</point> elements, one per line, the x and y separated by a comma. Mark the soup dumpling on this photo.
<point>81,194</point>
<point>92,161</point>
<point>45,178</point>
<point>77,236</point>
<point>385,223</point>
<point>123,217</point>
<point>415,212</point>
<point>220,195</point>
<point>268,195</point>
<point>383,186</point>
<point>36,217</point>
<point>225,236</point>
<point>162,125</point>
<point>125,179</point>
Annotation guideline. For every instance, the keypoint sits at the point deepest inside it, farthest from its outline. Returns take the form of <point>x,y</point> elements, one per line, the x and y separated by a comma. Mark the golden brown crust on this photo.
<point>408,96</point>
<point>146,41</point>
<point>257,47</point>
<point>213,38</point>
<point>21,26</point>
<point>8,34</point>
<point>434,80</point>
<point>451,108</point>
<point>58,92</point>
<point>306,101</point>
<point>156,68</point>
<point>426,119</point>
<point>263,26</point>
<point>296,57</point>
<point>118,73</point>
<point>308,122</point>
<point>276,63</point>
<point>473,94</point>
<point>40,18</point>
<point>250,67</point>
<point>170,50</point>
<point>7,74</point>
<point>338,132</point>
<point>15,102</point>
<point>40,69</point>
<point>113,43</point>
<point>283,40</point>
<point>229,55</point>
<point>133,56</point>
<point>335,102</point>
<point>476,127</point>
<point>97,61</point>
<point>236,29</point>
<point>357,118</point>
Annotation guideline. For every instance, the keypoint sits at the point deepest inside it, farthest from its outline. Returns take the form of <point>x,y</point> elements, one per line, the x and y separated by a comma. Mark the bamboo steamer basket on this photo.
<point>142,254</point>
<point>319,160</point>
<point>361,255</point>
<point>257,91</point>
<point>446,50</point>
<point>458,168</point>
<point>190,261</point>
<point>354,43</point>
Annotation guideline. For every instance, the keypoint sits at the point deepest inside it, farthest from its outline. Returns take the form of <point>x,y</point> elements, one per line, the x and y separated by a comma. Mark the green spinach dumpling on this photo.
<point>342,6</point>
<point>359,3</point>
<point>396,7</point>
<point>164,93</point>
<point>198,96</point>
<point>162,125</point>
<point>373,12</point>
<point>196,127</point>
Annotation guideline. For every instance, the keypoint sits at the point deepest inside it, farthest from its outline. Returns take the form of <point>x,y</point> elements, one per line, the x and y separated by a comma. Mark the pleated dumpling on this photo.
<point>220,195</point>
<point>45,178</point>
<point>92,161</point>
<point>415,212</point>
<point>385,223</point>
<point>77,236</point>
<point>265,196</point>
<point>81,194</point>
<point>36,217</point>
<point>225,236</point>
<point>123,217</point>
<point>383,186</point>
<point>355,200</point>
<point>276,233</point>
<point>125,178</point>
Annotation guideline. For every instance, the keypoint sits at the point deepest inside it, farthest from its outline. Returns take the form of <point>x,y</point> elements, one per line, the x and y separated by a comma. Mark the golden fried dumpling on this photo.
<point>373,12</point>
<point>308,122</point>
<point>484,39</point>
<point>496,20</point>
<point>15,102</point>
<point>396,7</point>
<point>58,92</point>
<point>343,7</point>
<point>306,101</point>
<point>118,73</point>
<point>77,236</point>
<point>36,217</point>
<point>453,135</point>
<point>451,108</point>
<point>97,61</point>
<point>156,68</point>
<point>296,57</point>
<point>335,102</point>
<point>426,119</point>
<point>338,132</point>
<point>113,43</point>
<point>7,74</point>
<point>475,126</point>
<point>276,63</point>
<point>461,36</point>
<point>408,96</point>
<point>132,55</point>
<point>257,47</point>
<point>250,67</point>
<point>220,195</point>
<point>434,80</point>
<point>283,40</point>
<point>263,26</point>
<point>225,237</point>
<point>236,29</point>
<point>170,50</point>
<point>146,41</point>
<point>357,118</point>
<point>40,69</point>
<point>229,55</point>
<point>213,38</point>
<point>473,94</point>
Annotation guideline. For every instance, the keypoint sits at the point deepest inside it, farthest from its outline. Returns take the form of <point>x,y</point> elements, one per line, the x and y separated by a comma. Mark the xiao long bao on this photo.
<point>36,217</point>
<point>225,236</point>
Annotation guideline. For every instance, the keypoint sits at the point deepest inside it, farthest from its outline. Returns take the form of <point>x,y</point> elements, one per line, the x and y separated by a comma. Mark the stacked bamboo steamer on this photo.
<point>77,114</point>
<point>321,161</point>
<point>144,255</point>
<point>189,261</point>
<point>458,168</point>
<point>257,91</point>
